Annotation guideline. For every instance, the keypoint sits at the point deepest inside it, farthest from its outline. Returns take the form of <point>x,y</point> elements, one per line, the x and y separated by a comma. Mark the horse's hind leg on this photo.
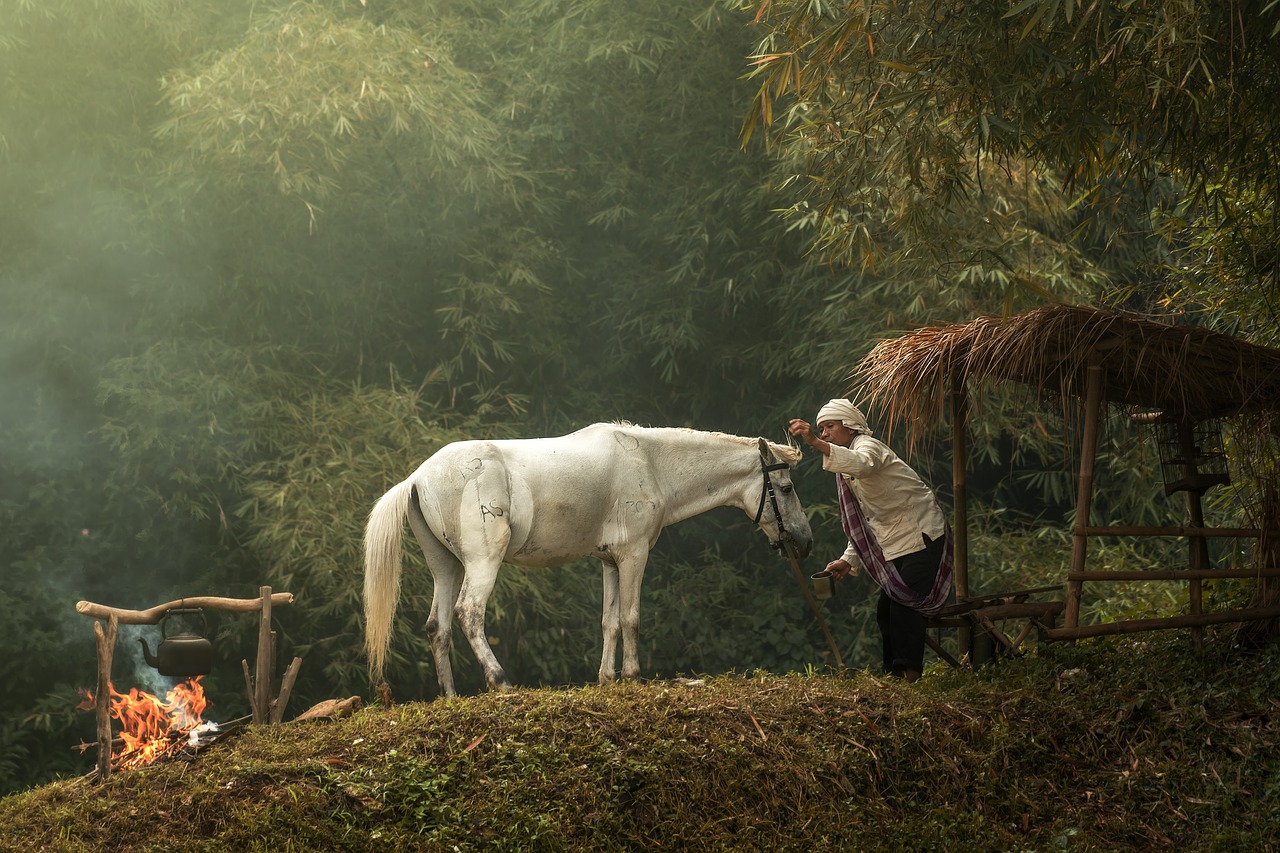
<point>448,578</point>
<point>609,622</point>
<point>446,572</point>
<point>477,585</point>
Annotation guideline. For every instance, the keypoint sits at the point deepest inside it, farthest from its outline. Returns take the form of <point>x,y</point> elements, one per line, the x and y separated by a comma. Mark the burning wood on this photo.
<point>152,727</point>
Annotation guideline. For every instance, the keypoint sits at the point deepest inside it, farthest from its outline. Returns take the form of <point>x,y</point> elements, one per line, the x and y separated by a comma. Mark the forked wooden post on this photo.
<point>1084,493</point>
<point>262,671</point>
<point>106,643</point>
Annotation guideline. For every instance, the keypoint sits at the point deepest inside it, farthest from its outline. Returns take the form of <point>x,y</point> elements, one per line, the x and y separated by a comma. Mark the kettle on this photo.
<point>180,654</point>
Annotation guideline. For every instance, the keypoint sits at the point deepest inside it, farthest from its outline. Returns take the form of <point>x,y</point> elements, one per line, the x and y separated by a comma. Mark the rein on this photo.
<point>784,544</point>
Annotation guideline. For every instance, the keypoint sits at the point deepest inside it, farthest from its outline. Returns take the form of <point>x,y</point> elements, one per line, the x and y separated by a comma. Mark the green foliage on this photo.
<point>895,107</point>
<point>258,260</point>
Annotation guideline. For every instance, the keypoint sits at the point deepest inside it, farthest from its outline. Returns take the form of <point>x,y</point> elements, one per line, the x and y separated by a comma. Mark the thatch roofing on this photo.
<point>1179,370</point>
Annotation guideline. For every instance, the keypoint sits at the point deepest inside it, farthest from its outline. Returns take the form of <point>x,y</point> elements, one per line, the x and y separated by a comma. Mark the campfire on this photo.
<point>151,727</point>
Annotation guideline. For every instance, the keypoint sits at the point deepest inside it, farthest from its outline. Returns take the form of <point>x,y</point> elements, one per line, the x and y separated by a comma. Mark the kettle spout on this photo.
<point>151,660</point>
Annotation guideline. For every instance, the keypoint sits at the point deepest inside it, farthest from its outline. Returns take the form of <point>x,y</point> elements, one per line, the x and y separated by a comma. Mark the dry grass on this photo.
<point>1110,745</point>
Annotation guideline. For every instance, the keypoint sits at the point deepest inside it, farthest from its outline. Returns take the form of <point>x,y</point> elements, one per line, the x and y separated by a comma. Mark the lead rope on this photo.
<point>813,605</point>
<point>784,544</point>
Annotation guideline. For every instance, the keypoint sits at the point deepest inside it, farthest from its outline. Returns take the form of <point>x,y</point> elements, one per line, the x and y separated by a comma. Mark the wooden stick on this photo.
<point>942,652</point>
<point>262,671</point>
<point>996,633</point>
<point>155,614</point>
<point>106,642</point>
<point>1170,574</point>
<point>1134,626</point>
<point>286,687</point>
<point>1020,610</point>
<point>1023,634</point>
<point>813,605</point>
<point>1209,532</point>
<point>248,686</point>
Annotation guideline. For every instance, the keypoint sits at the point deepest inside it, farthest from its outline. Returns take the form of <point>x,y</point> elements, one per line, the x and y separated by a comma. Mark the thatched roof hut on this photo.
<point>1175,374</point>
<point>1184,371</point>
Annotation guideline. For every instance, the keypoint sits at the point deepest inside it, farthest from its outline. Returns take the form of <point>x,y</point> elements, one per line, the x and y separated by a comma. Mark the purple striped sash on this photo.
<point>883,571</point>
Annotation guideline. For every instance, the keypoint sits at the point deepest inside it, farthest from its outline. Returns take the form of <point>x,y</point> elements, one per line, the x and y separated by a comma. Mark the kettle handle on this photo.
<point>183,611</point>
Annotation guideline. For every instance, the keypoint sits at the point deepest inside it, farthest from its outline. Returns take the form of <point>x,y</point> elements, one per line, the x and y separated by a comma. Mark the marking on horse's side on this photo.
<point>626,442</point>
<point>491,512</point>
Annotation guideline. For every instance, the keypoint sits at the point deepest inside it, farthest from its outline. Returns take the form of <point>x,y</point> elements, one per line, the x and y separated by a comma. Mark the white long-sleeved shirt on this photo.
<point>900,509</point>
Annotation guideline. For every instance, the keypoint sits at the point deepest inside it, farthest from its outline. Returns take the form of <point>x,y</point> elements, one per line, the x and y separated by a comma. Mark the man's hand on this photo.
<point>801,428</point>
<point>840,569</point>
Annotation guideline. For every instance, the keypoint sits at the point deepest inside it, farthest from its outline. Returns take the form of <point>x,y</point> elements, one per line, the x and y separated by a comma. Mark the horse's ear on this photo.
<point>765,453</point>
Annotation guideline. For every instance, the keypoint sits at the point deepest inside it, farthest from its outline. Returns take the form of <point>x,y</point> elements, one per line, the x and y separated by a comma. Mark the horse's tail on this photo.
<point>382,573</point>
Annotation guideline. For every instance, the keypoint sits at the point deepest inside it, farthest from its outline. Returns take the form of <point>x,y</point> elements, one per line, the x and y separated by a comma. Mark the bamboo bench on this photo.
<point>980,614</point>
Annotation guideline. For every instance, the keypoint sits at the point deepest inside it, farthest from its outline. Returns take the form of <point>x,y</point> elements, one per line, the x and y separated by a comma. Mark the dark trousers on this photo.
<point>902,630</point>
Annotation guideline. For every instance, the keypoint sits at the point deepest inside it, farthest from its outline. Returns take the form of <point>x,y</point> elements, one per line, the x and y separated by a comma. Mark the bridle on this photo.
<point>783,535</point>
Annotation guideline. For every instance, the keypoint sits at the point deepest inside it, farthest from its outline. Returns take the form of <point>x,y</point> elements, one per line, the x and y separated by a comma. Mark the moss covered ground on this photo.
<point>1108,745</point>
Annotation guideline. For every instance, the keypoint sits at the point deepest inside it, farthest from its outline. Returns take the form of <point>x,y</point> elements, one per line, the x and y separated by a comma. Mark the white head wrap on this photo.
<point>846,413</point>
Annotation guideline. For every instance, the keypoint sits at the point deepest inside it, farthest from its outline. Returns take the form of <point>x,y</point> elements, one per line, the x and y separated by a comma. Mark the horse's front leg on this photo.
<point>609,621</point>
<point>630,575</point>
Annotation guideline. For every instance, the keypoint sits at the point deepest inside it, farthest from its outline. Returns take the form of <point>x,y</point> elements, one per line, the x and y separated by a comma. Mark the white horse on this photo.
<point>605,491</point>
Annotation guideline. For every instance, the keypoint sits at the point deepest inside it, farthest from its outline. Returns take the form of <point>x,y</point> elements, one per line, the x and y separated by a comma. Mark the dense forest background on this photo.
<point>259,259</point>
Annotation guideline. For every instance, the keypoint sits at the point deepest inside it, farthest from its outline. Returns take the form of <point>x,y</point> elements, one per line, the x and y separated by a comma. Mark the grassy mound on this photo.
<point>1107,745</point>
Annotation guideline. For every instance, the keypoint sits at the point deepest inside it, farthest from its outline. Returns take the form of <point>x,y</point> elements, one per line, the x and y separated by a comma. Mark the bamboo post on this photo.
<point>262,673</point>
<point>960,494</point>
<point>106,643</point>
<point>1084,493</point>
<point>1197,547</point>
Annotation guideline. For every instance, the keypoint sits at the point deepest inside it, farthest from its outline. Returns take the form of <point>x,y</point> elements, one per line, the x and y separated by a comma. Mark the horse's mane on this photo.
<point>788,453</point>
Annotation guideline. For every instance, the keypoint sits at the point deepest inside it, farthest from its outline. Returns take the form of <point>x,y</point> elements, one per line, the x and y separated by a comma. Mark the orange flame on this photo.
<point>152,727</point>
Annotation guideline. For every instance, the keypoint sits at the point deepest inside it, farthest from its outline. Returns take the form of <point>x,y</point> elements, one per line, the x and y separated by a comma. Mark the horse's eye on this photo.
<point>788,489</point>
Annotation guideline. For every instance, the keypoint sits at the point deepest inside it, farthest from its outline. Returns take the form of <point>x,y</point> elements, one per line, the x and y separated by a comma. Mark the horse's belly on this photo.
<point>558,533</point>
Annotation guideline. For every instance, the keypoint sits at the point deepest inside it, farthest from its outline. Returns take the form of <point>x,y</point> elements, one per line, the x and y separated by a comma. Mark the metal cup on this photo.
<point>823,585</point>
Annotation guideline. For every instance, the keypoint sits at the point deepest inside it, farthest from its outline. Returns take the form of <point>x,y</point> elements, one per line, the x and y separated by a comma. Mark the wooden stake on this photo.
<point>262,671</point>
<point>106,643</point>
<point>248,686</point>
<point>286,687</point>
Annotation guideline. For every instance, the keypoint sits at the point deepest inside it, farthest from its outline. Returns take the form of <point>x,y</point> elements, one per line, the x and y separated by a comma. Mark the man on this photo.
<point>896,531</point>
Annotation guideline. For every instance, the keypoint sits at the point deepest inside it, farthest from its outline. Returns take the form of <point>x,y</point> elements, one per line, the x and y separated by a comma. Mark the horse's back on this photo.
<point>550,499</point>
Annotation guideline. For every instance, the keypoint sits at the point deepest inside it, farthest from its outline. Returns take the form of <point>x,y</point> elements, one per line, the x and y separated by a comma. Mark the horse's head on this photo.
<point>780,514</point>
